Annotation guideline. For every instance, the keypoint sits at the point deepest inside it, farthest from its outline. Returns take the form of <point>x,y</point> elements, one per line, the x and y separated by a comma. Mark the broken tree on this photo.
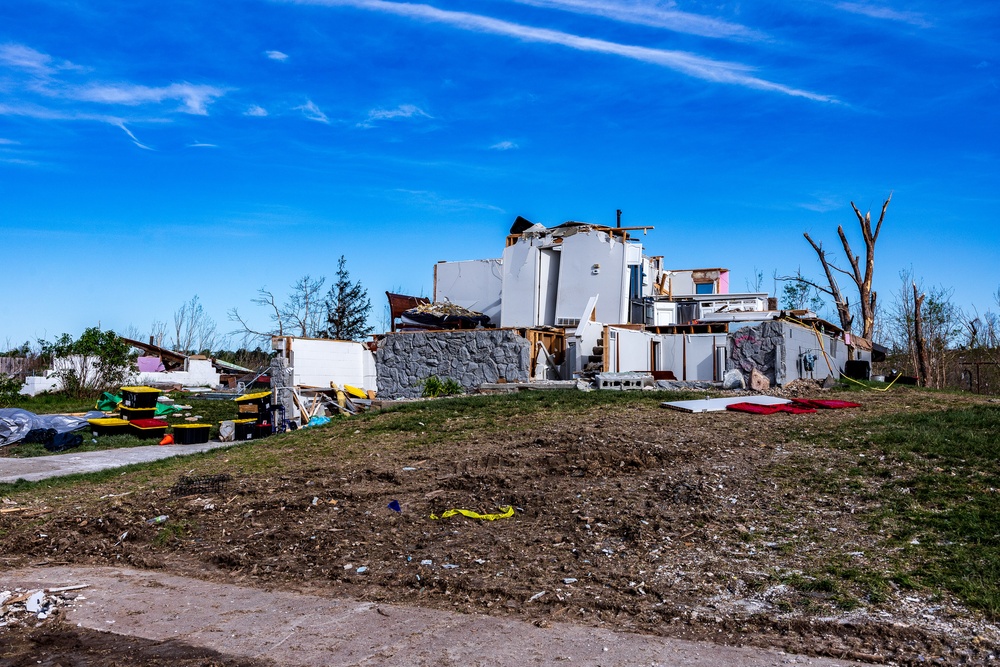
<point>867,297</point>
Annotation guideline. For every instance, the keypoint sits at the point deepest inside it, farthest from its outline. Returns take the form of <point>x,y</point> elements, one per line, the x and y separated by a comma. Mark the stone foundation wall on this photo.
<point>761,347</point>
<point>404,360</point>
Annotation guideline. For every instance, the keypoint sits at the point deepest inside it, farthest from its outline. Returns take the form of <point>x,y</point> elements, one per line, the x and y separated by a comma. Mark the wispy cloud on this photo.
<point>255,110</point>
<point>312,112</point>
<point>276,55</point>
<point>690,64</point>
<point>199,144</point>
<point>26,58</point>
<point>38,87</point>
<point>882,12</point>
<point>402,111</point>
<point>435,200</point>
<point>823,203</point>
<point>19,161</point>
<point>504,146</point>
<point>133,138</point>
<point>31,110</point>
<point>194,99</point>
<point>8,142</point>
<point>654,15</point>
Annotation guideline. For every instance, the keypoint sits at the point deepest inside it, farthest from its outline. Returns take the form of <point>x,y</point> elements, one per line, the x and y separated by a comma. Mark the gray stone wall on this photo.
<point>404,360</point>
<point>761,347</point>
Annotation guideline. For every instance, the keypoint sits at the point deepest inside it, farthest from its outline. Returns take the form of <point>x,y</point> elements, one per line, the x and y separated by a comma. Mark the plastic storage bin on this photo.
<point>257,405</point>
<point>139,397</point>
<point>245,429</point>
<point>191,434</point>
<point>148,428</point>
<point>108,426</point>
<point>132,414</point>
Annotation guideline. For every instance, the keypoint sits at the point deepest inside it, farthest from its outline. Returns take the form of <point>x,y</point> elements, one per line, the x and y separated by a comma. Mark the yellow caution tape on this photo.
<point>507,512</point>
<point>842,376</point>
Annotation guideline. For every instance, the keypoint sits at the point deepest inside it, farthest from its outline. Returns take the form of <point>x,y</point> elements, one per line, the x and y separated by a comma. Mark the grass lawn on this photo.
<point>932,481</point>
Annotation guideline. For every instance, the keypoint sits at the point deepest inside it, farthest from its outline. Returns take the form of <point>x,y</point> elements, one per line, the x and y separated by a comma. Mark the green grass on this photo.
<point>935,477</point>
<point>51,404</point>
<point>211,411</point>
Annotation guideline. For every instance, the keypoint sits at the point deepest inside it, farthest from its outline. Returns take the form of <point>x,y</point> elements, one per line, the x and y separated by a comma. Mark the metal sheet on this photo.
<point>718,404</point>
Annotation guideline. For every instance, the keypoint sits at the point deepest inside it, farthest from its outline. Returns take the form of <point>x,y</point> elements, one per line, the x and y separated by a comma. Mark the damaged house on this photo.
<point>581,298</point>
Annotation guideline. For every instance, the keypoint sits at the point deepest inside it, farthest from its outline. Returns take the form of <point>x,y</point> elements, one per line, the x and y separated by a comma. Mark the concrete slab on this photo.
<point>294,630</point>
<point>58,465</point>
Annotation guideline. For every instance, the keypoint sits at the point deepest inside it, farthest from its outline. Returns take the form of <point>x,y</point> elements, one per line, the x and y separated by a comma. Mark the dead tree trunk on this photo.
<point>867,296</point>
<point>920,344</point>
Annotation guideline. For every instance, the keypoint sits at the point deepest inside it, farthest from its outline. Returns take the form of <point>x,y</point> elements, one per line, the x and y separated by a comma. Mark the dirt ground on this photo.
<point>632,518</point>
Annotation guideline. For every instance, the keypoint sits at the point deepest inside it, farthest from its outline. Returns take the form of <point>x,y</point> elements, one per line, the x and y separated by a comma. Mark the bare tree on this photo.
<point>301,314</point>
<point>304,308</point>
<point>867,297</point>
<point>194,331</point>
<point>920,343</point>
<point>158,332</point>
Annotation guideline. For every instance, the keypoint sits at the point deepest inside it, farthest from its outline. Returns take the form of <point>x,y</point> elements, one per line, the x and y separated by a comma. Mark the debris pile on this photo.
<point>31,607</point>
<point>443,315</point>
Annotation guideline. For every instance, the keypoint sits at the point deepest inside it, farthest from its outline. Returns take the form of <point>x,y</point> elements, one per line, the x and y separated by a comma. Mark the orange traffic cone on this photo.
<point>167,440</point>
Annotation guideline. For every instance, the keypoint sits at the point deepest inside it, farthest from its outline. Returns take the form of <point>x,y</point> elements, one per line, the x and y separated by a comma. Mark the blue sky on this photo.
<point>150,152</point>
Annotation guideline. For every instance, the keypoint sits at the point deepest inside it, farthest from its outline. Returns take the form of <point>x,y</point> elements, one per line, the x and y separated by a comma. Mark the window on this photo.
<point>704,288</point>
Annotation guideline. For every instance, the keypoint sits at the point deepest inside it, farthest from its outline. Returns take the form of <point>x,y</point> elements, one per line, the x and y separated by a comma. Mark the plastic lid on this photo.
<point>252,397</point>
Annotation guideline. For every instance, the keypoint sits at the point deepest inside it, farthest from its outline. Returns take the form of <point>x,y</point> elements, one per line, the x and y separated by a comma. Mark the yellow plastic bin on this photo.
<point>108,426</point>
<point>257,405</point>
<point>139,397</point>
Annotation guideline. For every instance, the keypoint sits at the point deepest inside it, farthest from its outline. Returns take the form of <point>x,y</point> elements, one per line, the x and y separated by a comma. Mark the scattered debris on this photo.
<point>21,607</point>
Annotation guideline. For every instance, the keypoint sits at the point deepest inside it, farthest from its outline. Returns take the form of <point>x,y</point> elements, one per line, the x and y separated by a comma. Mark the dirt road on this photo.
<point>184,618</point>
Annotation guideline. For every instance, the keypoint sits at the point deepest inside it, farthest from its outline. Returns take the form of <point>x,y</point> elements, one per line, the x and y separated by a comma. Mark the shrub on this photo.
<point>10,388</point>
<point>434,387</point>
<point>97,361</point>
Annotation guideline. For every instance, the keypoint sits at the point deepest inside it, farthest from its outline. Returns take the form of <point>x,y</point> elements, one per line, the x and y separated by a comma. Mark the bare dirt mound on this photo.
<point>627,517</point>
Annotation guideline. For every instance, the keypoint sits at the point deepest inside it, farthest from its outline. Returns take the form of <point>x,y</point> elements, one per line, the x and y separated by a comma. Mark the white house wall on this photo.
<point>520,286</point>
<point>316,362</point>
<point>630,350</point>
<point>548,286</point>
<point>196,373</point>
<point>475,284</point>
<point>579,280</point>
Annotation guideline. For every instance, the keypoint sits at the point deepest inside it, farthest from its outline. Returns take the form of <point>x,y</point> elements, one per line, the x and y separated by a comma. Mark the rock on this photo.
<point>733,379</point>
<point>759,381</point>
<point>830,382</point>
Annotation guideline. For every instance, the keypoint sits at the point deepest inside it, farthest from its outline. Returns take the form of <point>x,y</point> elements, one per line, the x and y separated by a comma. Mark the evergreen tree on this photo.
<point>347,308</point>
